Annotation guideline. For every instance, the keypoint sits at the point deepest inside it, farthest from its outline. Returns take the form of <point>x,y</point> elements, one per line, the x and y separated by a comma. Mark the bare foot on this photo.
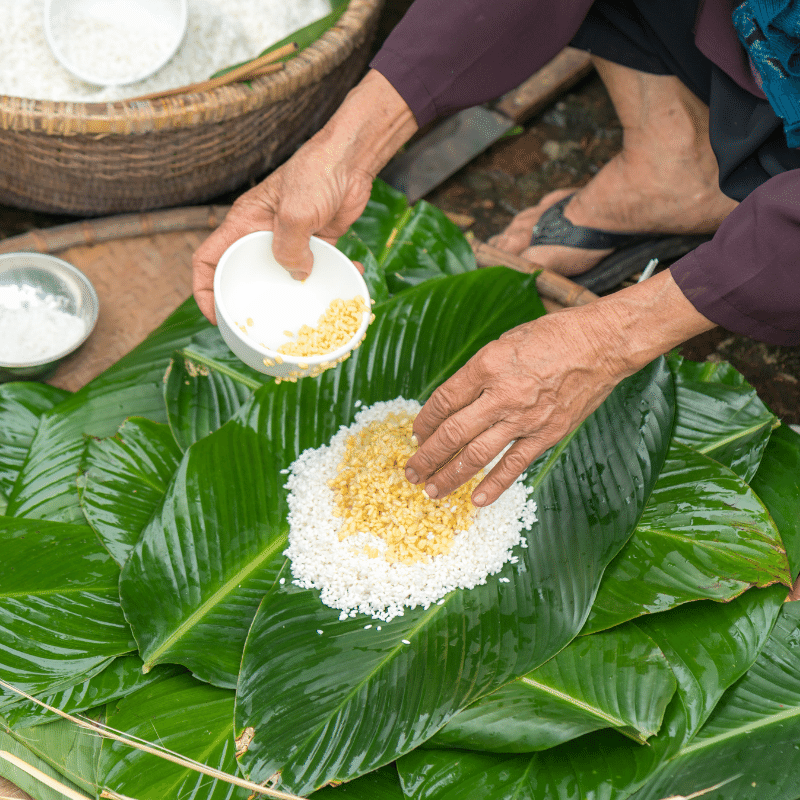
<point>664,181</point>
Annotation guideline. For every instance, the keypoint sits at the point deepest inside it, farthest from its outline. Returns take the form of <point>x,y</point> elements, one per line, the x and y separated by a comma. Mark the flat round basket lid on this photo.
<point>141,267</point>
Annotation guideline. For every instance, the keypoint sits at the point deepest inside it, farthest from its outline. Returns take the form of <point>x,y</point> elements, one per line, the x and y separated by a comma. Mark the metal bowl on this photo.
<point>47,280</point>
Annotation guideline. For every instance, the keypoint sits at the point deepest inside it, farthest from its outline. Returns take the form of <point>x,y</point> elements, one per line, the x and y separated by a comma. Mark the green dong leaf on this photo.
<point>197,574</point>
<point>312,725</point>
<point>60,618</point>
<point>21,406</point>
<point>615,679</point>
<point>186,717</point>
<point>205,386</point>
<point>749,745</point>
<point>125,478</point>
<point>777,483</point>
<point>714,646</point>
<point>703,535</point>
<point>720,414</point>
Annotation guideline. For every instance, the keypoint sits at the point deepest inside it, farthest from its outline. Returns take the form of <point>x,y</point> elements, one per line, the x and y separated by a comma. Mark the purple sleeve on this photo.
<point>747,278</point>
<point>445,55</point>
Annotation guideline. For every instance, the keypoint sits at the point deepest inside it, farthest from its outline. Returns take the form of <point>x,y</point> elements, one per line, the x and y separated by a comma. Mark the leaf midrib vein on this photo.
<point>378,667</point>
<point>741,433</point>
<point>50,592</point>
<point>191,355</point>
<point>268,552</point>
<point>589,709</point>
<point>741,731</point>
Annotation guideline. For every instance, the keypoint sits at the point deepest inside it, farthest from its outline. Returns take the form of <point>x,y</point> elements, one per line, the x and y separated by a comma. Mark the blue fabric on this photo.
<point>770,32</point>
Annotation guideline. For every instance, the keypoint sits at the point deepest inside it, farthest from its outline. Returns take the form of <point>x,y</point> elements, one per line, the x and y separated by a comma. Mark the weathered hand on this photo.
<point>304,197</point>
<point>532,386</point>
<point>320,191</point>
<point>539,381</point>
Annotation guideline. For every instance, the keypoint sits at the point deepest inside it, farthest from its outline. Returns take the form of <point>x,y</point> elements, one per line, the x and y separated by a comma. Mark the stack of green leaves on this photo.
<point>640,647</point>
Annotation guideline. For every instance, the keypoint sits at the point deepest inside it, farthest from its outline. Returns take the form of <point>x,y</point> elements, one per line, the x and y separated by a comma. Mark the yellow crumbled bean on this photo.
<point>335,328</point>
<point>371,494</point>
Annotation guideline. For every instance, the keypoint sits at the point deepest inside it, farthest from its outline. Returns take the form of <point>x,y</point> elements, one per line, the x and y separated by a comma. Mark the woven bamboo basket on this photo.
<point>91,159</point>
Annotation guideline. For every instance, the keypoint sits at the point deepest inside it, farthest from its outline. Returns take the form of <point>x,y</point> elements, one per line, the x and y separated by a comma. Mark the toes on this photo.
<point>517,236</point>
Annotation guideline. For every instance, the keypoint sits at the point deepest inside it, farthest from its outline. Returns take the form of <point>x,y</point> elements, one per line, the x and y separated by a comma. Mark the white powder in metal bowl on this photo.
<point>34,326</point>
<point>354,583</point>
<point>220,33</point>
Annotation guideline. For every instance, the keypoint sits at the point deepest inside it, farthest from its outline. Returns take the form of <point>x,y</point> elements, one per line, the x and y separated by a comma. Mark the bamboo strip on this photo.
<point>97,231</point>
<point>262,65</point>
<point>550,284</point>
<point>42,777</point>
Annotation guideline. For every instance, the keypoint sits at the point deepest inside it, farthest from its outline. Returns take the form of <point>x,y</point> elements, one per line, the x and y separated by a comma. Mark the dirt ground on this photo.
<point>563,146</point>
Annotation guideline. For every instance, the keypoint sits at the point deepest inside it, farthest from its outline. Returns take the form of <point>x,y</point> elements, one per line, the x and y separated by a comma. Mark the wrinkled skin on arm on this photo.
<point>539,381</point>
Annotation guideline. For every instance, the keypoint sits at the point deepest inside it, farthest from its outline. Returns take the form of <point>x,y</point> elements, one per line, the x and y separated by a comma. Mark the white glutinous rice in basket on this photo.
<point>351,581</point>
<point>34,326</point>
<point>220,33</point>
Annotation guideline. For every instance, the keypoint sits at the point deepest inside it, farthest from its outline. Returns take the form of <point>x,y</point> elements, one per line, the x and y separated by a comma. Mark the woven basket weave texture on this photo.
<point>92,159</point>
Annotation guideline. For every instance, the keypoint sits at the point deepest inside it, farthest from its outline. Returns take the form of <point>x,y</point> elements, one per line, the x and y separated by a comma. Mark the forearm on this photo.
<point>642,322</point>
<point>369,127</point>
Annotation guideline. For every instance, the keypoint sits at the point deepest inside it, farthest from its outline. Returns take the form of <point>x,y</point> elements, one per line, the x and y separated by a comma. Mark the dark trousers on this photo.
<point>657,37</point>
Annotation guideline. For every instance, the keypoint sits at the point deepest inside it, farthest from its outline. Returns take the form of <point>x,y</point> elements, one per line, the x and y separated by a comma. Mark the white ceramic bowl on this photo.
<point>250,285</point>
<point>155,28</point>
<point>48,280</point>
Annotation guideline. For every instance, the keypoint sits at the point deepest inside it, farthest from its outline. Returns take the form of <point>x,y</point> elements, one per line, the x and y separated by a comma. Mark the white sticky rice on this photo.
<point>352,582</point>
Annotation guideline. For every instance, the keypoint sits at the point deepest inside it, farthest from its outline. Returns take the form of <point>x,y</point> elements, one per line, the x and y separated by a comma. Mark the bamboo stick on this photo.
<point>42,777</point>
<point>262,65</point>
<point>550,284</point>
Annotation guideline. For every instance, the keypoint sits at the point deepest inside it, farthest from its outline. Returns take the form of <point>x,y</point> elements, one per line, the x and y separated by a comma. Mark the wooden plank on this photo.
<point>546,85</point>
<point>7,789</point>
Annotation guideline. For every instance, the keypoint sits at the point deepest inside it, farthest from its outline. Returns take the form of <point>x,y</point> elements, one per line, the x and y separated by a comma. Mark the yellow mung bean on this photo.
<point>372,495</point>
<point>335,328</point>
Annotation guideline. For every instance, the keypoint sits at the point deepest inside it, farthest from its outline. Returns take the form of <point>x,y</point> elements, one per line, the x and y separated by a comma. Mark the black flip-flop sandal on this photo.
<point>633,251</point>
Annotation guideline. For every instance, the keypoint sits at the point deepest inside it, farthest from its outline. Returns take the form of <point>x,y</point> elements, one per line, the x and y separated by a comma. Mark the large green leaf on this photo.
<point>411,244</point>
<point>205,386</point>
<point>125,478</point>
<point>21,406</point>
<point>46,488</point>
<point>194,580</point>
<point>381,219</point>
<point>615,679</point>
<point>356,250</point>
<point>709,645</point>
<point>122,677</point>
<point>60,616</point>
<point>704,534</point>
<point>748,748</point>
<point>310,722</point>
<point>720,414</point>
<point>187,717</point>
<point>427,245</point>
<point>777,483</point>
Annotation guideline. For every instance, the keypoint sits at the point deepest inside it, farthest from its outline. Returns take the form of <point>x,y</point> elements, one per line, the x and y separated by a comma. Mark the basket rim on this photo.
<point>70,118</point>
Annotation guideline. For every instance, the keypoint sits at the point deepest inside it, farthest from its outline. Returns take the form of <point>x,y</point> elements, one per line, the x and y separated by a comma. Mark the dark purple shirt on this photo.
<point>445,55</point>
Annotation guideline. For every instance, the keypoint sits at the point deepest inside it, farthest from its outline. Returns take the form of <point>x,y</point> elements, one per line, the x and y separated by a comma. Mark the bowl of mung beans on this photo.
<point>283,327</point>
